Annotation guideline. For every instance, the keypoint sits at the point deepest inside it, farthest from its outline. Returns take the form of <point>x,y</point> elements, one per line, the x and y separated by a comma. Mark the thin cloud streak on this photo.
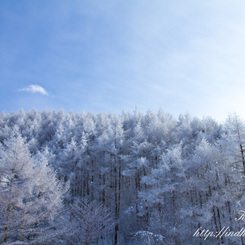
<point>34,88</point>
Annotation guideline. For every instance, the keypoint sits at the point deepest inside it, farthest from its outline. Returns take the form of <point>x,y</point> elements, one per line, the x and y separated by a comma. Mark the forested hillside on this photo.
<point>153,179</point>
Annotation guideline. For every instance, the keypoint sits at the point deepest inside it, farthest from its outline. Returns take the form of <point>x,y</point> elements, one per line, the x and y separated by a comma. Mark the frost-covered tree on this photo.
<point>161,197</point>
<point>30,194</point>
<point>233,141</point>
<point>89,222</point>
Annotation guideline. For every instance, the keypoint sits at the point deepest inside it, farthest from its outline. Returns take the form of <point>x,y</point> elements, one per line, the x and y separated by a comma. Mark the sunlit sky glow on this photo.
<point>109,56</point>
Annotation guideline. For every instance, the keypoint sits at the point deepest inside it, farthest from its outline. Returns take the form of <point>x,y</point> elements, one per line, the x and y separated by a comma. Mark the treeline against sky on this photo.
<point>162,178</point>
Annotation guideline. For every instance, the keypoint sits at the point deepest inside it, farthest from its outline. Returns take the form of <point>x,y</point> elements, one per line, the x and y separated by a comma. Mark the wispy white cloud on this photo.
<point>34,88</point>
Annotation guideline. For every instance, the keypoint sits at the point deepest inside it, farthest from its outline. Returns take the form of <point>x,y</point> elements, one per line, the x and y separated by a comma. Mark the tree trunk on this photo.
<point>7,223</point>
<point>116,204</point>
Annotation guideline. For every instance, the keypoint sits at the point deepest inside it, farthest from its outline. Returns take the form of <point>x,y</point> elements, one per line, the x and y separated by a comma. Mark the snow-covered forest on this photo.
<point>133,178</point>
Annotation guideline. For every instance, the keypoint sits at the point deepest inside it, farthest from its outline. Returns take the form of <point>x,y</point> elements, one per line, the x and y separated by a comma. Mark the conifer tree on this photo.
<point>30,193</point>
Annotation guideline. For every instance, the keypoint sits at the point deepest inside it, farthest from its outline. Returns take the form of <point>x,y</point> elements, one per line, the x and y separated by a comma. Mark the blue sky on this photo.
<point>113,55</point>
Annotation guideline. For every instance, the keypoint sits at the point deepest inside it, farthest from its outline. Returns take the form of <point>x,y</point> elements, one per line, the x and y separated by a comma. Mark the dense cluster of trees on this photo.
<point>130,178</point>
